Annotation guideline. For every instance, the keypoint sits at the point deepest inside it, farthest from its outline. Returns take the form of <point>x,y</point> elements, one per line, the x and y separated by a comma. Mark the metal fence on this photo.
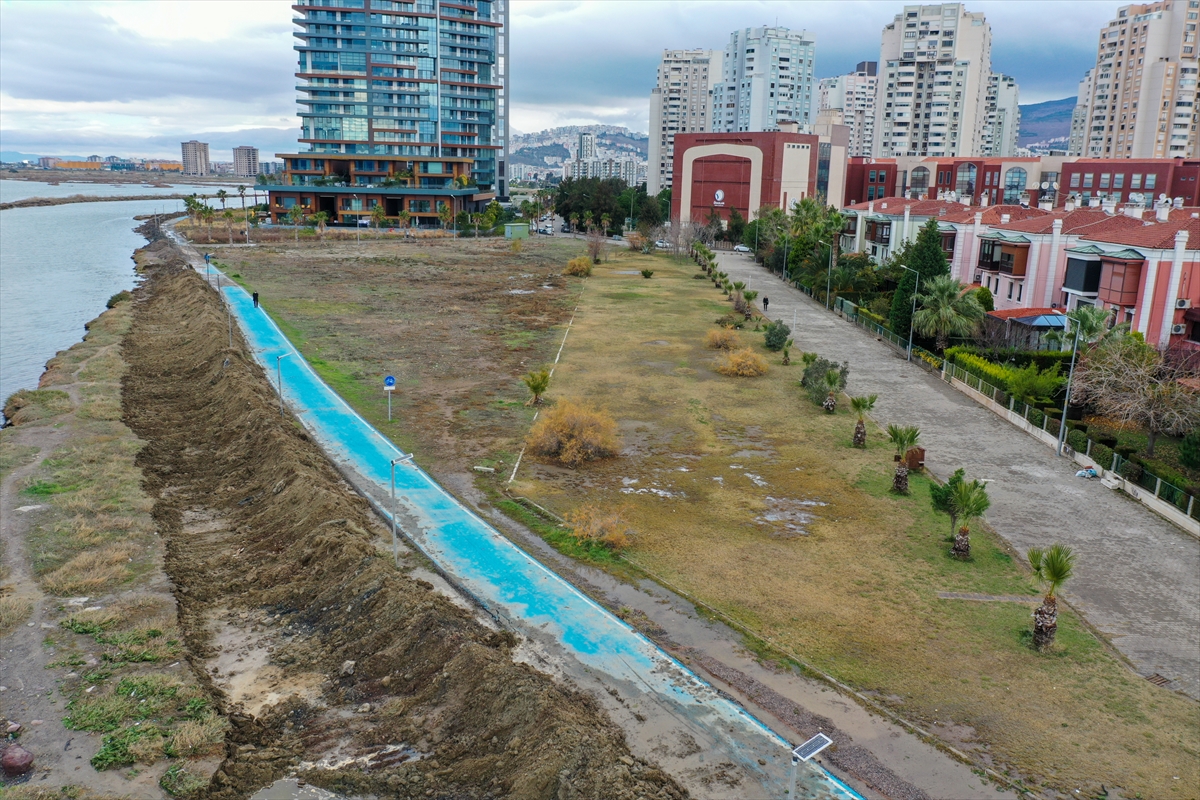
<point>1049,423</point>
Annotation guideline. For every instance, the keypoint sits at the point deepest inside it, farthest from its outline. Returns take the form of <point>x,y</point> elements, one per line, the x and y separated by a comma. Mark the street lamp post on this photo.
<point>828,273</point>
<point>279,379</point>
<point>1062,424</point>
<point>916,286</point>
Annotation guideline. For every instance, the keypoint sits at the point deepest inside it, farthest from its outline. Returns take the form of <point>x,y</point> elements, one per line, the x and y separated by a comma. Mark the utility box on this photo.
<point>516,230</point>
<point>915,458</point>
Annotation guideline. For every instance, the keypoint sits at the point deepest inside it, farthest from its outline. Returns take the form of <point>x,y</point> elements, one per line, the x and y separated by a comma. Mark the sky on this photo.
<point>134,78</point>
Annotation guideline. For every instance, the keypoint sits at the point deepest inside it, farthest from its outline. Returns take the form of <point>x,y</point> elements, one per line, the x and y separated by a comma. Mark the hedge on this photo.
<point>1042,359</point>
<point>995,374</point>
<point>878,320</point>
<point>1102,455</point>
<point>1078,441</point>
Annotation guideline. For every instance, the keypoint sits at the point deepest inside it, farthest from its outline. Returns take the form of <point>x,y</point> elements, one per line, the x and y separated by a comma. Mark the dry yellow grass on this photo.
<point>607,525</point>
<point>722,339</point>
<point>573,433</point>
<point>742,364</point>
<point>580,267</point>
<point>13,612</point>
<point>851,585</point>
<point>199,737</point>
<point>91,571</point>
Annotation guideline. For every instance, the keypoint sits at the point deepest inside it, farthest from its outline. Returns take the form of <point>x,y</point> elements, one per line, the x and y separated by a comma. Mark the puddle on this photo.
<point>788,517</point>
<point>520,291</point>
<point>628,481</point>
<point>649,490</point>
<point>757,480</point>
<point>290,789</point>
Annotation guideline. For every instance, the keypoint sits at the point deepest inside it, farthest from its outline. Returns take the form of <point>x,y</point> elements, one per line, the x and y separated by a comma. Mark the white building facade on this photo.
<point>935,62</point>
<point>680,102</point>
<point>245,162</point>
<point>766,78</point>
<point>1079,117</point>
<point>853,96</point>
<point>1003,122</point>
<point>195,158</point>
<point>1142,98</point>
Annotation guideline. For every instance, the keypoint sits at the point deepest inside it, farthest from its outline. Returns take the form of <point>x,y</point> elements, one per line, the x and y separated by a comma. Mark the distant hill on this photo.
<point>634,143</point>
<point>1049,120</point>
<point>12,156</point>
<point>535,155</point>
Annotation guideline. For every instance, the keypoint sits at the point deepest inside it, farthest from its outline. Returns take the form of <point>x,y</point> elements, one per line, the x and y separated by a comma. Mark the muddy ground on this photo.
<point>326,659</point>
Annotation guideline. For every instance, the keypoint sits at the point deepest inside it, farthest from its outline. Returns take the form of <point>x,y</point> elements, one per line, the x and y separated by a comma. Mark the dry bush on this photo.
<point>199,737</point>
<point>13,611</point>
<point>91,571</point>
<point>743,363</point>
<point>721,339</point>
<point>637,242</point>
<point>592,523</point>
<point>147,749</point>
<point>574,433</point>
<point>579,267</point>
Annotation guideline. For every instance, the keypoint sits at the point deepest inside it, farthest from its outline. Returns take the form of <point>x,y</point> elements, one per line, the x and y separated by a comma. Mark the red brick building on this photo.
<point>1117,180</point>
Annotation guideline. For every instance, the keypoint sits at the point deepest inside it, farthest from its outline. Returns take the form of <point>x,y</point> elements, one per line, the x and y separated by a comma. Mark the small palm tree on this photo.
<point>947,308</point>
<point>207,213</point>
<point>445,215</point>
<point>378,216</point>
<point>575,221</point>
<point>537,383</point>
<point>861,406</point>
<point>833,382</point>
<point>295,216</point>
<point>221,195</point>
<point>1052,568</point>
<point>403,218</point>
<point>228,215</point>
<point>904,437</point>
<point>320,219</point>
<point>787,351</point>
<point>587,220</point>
<point>969,501</point>
<point>808,358</point>
<point>605,221</point>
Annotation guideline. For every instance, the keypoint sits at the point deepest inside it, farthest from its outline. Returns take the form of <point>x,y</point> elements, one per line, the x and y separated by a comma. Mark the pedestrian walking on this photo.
<point>766,301</point>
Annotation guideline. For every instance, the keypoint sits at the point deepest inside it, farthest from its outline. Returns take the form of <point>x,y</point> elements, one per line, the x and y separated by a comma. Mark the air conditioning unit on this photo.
<point>1178,330</point>
<point>1183,302</point>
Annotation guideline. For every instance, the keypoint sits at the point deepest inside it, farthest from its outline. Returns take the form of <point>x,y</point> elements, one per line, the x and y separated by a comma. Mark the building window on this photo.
<point>871,176</point>
<point>1014,185</point>
<point>1075,180</point>
<point>1088,179</point>
<point>920,180</point>
<point>1010,288</point>
<point>1119,180</point>
<point>1105,179</point>
<point>965,184</point>
<point>870,192</point>
<point>1151,178</point>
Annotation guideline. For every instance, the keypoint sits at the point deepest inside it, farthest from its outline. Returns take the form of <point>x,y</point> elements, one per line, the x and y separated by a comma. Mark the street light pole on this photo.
<point>916,286</point>
<point>828,272</point>
<point>279,379</point>
<point>1062,423</point>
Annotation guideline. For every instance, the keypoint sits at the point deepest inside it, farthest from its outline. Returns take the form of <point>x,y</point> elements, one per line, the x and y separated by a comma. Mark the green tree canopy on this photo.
<point>923,254</point>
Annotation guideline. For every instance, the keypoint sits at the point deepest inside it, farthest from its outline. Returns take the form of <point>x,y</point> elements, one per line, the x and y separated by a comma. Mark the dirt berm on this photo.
<point>281,584</point>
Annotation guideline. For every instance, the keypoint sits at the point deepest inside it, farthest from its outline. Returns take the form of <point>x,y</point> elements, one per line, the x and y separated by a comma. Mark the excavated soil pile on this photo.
<point>370,681</point>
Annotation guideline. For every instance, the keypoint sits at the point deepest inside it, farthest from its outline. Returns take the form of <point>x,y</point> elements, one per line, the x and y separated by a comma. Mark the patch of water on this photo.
<point>520,291</point>
<point>789,517</point>
<point>757,480</point>
<point>650,490</point>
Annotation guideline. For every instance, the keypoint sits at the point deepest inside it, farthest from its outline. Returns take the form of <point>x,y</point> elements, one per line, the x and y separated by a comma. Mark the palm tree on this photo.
<point>320,219</point>
<point>445,215</point>
<point>575,221</point>
<point>228,215</point>
<point>207,213</point>
<point>221,195</point>
<point>861,406</point>
<point>605,221</point>
<point>787,351</point>
<point>587,220</point>
<point>833,382</point>
<point>947,308</point>
<point>403,217</point>
<point>904,437</point>
<point>1092,322</point>
<point>295,216</point>
<point>537,383</point>
<point>378,216</point>
<point>969,501</point>
<point>1052,568</point>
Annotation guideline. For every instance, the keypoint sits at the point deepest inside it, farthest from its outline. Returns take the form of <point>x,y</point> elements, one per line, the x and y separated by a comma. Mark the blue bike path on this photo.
<point>505,578</point>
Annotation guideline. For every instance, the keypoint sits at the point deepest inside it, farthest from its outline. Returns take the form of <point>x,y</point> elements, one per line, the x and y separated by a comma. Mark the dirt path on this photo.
<point>1138,576</point>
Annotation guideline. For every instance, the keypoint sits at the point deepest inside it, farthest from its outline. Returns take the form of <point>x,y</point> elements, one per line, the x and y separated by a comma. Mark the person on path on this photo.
<point>766,300</point>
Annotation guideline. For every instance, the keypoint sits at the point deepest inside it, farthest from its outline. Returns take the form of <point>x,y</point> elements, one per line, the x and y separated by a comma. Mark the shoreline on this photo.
<point>42,202</point>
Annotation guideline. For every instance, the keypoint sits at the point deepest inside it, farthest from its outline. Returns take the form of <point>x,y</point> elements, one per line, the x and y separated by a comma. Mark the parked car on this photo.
<point>545,232</point>
<point>618,237</point>
<point>662,244</point>
<point>741,248</point>
<point>566,228</point>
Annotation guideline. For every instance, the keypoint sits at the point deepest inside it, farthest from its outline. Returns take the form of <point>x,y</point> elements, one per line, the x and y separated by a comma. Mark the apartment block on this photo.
<point>853,96</point>
<point>1003,121</point>
<point>935,66</point>
<point>680,102</point>
<point>404,80</point>
<point>245,162</point>
<point>1079,117</point>
<point>766,79</point>
<point>195,158</point>
<point>1142,102</point>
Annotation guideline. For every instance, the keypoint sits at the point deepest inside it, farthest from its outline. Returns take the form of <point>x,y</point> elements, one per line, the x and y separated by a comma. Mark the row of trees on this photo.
<point>606,202</point>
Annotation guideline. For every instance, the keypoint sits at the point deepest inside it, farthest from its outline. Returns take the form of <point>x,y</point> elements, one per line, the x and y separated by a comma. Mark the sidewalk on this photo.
<point>1137,576</point>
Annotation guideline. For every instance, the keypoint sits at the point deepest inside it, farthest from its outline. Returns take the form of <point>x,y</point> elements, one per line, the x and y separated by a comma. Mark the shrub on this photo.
<point>721,339</point>
<point>647,274</point>
<point>700,276</point>
<point>732,320</point>
<point>1107,439</point>
<point>814,383</point>
<point>119,297</point>
<point>574,433</point>
<point>579,267</point>
<point>775,335</point>
<point>537,383</point>
<point>743,363</point>
<point>1131,470</point>
<point>591,523</point>
<point>1078,441</point>
<point>750,295</point>
<point>1125,450</point>
<point>1029,384</point>
<point>1189,450</point>
<point>1035,417</point>
<point>1102,455</point>
<point>637,242</point>
<point>1011,357</point>
<point>995,374</point>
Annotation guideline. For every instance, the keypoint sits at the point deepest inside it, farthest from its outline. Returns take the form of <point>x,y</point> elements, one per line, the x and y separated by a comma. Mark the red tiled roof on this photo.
<point>947,211</point>
<point>1008,313</point>
<point>1151,235</point>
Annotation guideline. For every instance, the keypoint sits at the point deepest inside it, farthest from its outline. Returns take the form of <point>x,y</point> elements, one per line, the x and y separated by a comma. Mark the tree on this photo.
<point>574,222</point>
<point>1131,382</point>
<point>1029,385</point>
<point>228,215</point>
<point>207,213</point>
<point>862,405</point>
<point>403,218</point>
<point>815,381</point>
<point>320,219</point>
<point>833,383</point>
<point>1092,324</point>
<point>445,215</point>
<point>737,226</point>
<point>241,190</point>
<point>537,383</point>
<point>942,497</point>
<point>947,308</point>
<point>221,195</point>
<point>295,217</point>
<point>587,220</point>
<point>1053,568</point>
<point>923,254</point>
<point>969,502</point>
<point>605,222</point>
<point>904,437</point>
<point>378,216</point>
<point>984,295</point>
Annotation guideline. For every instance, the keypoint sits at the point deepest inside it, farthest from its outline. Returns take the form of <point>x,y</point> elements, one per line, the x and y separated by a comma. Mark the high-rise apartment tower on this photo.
<point>1002,122</point>
<point>853,95</point>
<point>394,78</point>
<point>1079,117</point>
<point>195,158</point>
<point>934,66</point>
<point>1142,102</point>
<point>245,162</point>
<point>680,102</point>
<point>766,78</point>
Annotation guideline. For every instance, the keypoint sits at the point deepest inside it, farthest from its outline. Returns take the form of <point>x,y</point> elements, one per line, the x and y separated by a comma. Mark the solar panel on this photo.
<point>813,746</point>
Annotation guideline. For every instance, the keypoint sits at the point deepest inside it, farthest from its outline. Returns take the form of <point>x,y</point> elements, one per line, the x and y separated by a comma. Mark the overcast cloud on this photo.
<point>136,78</point>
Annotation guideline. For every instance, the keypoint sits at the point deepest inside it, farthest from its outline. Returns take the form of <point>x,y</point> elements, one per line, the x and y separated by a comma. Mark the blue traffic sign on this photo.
<point>389,382</point>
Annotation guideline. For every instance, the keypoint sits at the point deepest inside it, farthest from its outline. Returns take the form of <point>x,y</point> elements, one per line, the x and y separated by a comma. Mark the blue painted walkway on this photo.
<point>511,582</point>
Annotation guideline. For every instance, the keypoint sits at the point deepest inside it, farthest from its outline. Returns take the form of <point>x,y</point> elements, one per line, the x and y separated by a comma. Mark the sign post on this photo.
<point>389,386</point>
<point>806,751</point>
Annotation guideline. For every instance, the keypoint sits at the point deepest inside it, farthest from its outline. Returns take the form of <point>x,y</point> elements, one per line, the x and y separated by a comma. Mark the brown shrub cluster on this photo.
<point>574,433</point>
<point>592,523</point>
<point>721,339</point>
<point>743,363</point>
<point>579,267</point>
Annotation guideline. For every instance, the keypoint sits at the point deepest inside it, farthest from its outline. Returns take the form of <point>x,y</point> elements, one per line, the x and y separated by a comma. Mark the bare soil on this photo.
<point>328,661</point>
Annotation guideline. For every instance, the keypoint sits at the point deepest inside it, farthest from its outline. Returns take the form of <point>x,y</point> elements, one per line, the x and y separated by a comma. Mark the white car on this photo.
<point>741,248</point>
<point>662,245</point>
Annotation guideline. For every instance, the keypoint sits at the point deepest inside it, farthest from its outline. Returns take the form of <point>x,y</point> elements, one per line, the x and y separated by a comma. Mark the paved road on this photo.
<point>1137,577</point>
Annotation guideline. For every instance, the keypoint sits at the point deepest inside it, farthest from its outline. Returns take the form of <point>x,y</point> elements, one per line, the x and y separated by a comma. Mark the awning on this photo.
<point>1043,321</point>
<point>1192,315</point>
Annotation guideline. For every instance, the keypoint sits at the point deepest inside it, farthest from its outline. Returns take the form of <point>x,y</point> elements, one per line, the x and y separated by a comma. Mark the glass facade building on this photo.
<point>383,78</point>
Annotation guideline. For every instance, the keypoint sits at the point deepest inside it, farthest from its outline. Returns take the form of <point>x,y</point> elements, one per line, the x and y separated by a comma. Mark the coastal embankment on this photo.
<point>38,202</point>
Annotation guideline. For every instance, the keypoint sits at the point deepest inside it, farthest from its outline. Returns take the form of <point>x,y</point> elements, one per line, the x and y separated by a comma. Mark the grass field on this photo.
<point>750,498</point>
<point>741,492</point>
